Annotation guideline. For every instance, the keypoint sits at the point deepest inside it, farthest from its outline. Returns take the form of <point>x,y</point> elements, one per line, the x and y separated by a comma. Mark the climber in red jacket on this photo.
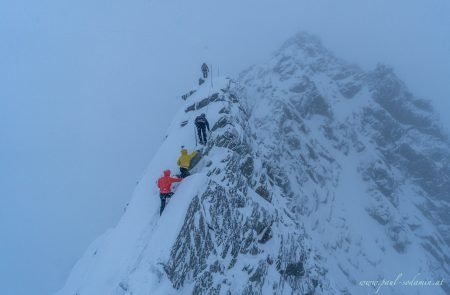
<point>165,188</point>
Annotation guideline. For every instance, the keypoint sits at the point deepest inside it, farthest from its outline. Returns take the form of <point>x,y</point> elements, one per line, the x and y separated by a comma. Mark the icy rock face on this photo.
<point>237,237</point>
<point>355,147</point>
<point>317,176</point>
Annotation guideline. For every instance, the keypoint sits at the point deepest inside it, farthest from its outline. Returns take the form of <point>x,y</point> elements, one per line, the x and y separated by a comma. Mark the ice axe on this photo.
<point>195,135</point>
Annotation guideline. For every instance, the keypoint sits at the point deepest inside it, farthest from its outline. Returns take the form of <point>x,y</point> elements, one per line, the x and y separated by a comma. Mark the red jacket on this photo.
<point>165,182</point>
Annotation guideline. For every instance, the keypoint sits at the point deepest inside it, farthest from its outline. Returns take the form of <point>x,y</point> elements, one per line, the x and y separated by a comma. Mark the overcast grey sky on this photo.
<point>88,87</point>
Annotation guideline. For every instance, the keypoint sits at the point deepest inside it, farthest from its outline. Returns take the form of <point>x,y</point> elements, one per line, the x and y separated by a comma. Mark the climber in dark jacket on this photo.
<point>202,124</point>
<point>205,70</point>
<point>165,188</point>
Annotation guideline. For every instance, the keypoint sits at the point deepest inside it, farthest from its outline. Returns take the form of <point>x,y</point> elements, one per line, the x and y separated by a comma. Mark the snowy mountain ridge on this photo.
<point>317,176</point>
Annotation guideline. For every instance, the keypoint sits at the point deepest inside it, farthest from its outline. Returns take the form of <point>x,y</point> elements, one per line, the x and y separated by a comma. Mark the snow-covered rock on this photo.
<point>317,178</point>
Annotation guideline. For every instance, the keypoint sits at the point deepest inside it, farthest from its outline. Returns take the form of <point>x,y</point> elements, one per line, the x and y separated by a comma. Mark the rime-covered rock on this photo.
<point>316,176</point>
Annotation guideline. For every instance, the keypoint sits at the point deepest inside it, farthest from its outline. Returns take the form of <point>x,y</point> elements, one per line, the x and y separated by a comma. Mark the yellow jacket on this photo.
<point>184,160</point>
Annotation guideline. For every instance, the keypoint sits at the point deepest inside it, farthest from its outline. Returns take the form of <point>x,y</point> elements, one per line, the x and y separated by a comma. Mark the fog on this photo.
<point>87,89</point>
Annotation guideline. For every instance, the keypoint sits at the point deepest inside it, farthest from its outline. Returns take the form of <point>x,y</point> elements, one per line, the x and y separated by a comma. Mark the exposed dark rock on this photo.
<point>204,102</point>
<point>190,108</point>
<point>267,235</point>
<point>186,95</point>
<point>224,111</point>
<point>263,193</point>
<point>294,269</point>
<point>247,167</point>
<point>349,90</point>
<point>221,123</point>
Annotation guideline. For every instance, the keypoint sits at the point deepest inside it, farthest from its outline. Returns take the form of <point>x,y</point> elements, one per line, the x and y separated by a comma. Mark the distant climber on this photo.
<point>202,124</point>
<point>205,70</point>
<point>184,161</point>
<point>165,188</point>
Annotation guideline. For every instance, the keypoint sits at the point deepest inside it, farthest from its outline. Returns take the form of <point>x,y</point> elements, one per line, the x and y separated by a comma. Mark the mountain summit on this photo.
<point>318,178</point>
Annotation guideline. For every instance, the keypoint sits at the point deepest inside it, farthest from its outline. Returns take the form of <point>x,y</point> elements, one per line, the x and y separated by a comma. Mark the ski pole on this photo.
<point>212,85</point>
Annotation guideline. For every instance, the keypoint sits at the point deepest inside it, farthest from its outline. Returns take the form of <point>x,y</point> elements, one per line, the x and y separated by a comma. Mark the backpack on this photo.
<point>200,121</point>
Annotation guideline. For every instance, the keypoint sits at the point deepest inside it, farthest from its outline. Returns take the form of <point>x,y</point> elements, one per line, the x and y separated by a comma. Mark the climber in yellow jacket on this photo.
<point>184,161</point>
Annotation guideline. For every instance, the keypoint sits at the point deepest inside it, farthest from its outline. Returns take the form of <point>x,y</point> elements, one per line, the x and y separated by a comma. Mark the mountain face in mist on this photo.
<point>317,177</point>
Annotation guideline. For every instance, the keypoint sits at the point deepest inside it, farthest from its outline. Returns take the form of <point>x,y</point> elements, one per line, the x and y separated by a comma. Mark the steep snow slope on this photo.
<point>317,176</point>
